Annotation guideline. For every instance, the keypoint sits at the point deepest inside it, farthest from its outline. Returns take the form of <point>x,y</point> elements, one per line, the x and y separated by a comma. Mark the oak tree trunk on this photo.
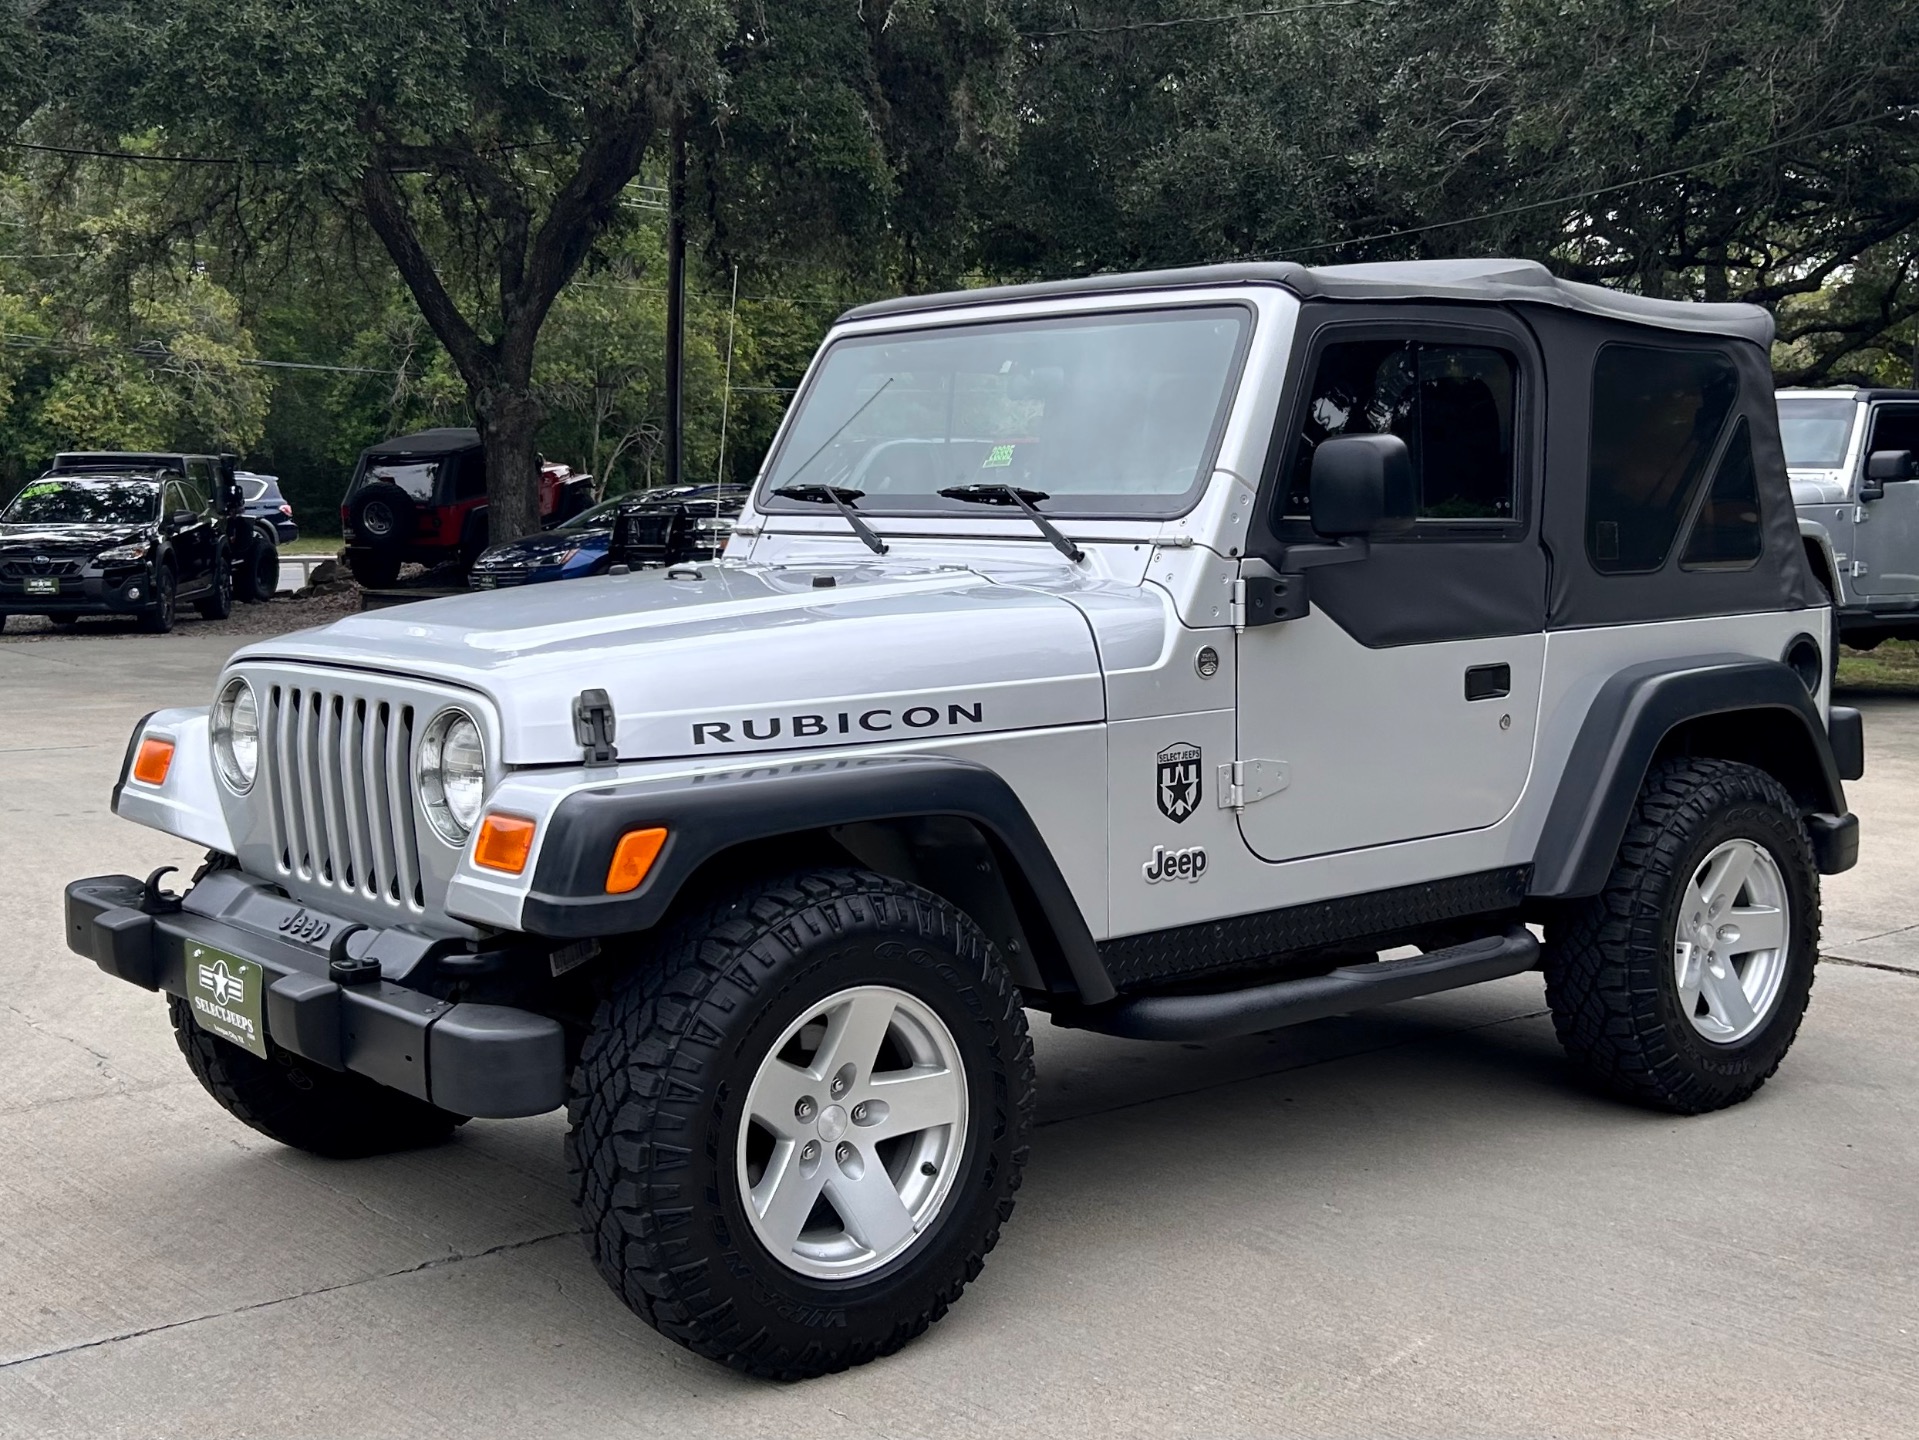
<point>509,423</point>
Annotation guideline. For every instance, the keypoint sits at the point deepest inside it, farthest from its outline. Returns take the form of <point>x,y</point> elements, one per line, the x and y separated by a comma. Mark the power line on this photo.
<point>1573,199</point>
<point>84,153</point>
<point>1229,18</point>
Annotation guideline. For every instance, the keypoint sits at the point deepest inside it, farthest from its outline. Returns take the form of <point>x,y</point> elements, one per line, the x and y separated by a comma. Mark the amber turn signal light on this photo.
<point>632,858</point>
<point>505,842</point>
<point>150,765</point>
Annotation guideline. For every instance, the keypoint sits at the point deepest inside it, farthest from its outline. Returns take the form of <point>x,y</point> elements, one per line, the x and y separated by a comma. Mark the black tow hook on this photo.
<point>342,968</point>
<point>154,900</point>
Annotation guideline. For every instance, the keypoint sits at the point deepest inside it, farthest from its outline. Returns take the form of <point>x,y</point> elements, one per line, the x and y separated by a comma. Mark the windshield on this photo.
<point>1816,432</point>
<point>1109,414</point>
<point>84,502</point>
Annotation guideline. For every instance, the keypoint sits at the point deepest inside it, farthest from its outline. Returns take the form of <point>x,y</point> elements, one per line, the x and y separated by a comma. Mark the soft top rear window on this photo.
<point>1107,414</point>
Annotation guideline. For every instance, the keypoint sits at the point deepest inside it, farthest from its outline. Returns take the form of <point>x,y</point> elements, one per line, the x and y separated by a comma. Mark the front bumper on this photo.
<point>111,593</point>
<point>473,1059</point>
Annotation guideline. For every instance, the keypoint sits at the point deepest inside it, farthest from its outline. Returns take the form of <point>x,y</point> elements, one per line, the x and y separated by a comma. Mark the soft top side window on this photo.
<point>1657,416</point>
<point>1726,534</point>
<point>1453,405</point>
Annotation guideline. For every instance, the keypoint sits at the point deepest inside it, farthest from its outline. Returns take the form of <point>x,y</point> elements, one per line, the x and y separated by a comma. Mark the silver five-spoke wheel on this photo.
<point>853,1133</point>
<point>1730,950</point>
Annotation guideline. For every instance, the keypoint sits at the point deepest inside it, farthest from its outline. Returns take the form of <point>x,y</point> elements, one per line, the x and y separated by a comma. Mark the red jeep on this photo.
<point>422,498</point>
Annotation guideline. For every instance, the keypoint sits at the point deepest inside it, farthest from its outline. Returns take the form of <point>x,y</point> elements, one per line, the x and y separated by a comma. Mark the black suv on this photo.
<point>113,544</point>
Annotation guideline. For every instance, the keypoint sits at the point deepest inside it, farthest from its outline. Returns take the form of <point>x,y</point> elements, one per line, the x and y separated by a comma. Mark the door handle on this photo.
<point>1488,682</point>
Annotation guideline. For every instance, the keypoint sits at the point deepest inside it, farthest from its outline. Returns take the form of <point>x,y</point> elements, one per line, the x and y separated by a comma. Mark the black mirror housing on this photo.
<point>180,519</point>
<point>1362,486</point>
<point>1889,465</point>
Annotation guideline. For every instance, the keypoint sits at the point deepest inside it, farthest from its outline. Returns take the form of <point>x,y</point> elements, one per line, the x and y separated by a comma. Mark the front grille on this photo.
<point>497,575</point>
<point>339,783</point>
<point>21,569</point>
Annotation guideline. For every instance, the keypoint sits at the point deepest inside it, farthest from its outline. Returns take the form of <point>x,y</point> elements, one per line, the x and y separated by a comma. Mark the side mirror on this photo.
<point>1362,486</point>
<point>180,519</point>
<point>1889,465</point>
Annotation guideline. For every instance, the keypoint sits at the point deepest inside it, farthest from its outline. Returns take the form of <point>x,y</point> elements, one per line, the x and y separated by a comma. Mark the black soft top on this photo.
<point>446,441</point>
<point>1488,281</point>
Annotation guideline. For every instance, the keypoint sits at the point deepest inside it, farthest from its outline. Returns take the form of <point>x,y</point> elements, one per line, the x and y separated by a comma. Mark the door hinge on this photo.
<point>1247,782</point>
<point>1267,599</point>
<point>1860,515</point>
<point>1858,568</point>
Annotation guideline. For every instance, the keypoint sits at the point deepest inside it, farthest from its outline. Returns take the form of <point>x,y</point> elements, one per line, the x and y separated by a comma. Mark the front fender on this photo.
<point>705,813</point>
<point>187,802</point>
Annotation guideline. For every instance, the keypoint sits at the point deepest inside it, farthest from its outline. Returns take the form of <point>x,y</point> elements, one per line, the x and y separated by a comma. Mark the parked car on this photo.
<point>584,545</point>
<point>421,499</point>
<point>265,502</point>
<point>251,543</point>
<point>1232,628</point>
<point>1853,456</point>
<point>113,544</point>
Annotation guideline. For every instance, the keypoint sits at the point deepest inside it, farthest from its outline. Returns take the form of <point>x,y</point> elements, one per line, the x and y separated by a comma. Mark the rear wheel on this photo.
<point>1682,984</point>
<point>157,618</point>
<point>307,1106</point>
<point>373,569</point>
<point>257,577</point>
<point>832,1073</point>
<point>218,604</point>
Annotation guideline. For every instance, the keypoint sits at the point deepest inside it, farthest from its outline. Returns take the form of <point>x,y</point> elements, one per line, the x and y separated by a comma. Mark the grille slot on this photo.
<point>339,793</point>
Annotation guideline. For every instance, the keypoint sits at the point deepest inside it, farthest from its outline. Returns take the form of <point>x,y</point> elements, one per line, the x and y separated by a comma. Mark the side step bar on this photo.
<point>1291,1002</point>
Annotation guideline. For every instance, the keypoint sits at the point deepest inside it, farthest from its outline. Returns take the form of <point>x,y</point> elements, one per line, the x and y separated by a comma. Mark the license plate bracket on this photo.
<point>227,994</point>
<point>41,585</point>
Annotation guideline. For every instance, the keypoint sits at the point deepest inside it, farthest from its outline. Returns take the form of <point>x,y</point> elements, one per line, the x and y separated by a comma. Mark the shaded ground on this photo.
<point>1890,668</point>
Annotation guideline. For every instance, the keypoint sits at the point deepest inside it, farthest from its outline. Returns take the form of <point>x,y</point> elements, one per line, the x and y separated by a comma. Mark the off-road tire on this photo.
<point>158,617</point>
<point>257,578</point>
<point>290,1099</point>
<point>64,622</point>
<point>374,570</point>
<point>658,1094</point>
<point>394,516</point>
<point>218,603</point>
<point>1610,977</point>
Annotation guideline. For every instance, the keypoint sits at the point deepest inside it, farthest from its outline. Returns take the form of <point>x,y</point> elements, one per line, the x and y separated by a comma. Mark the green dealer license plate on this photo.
<point>228,996</point>
<point>36,586</point>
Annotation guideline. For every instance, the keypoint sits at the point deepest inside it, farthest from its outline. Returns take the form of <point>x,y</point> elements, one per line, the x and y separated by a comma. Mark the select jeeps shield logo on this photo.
<point>1177,782</point>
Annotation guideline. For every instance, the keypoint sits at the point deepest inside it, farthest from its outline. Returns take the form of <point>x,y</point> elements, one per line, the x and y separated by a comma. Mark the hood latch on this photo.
<point>593,727</point>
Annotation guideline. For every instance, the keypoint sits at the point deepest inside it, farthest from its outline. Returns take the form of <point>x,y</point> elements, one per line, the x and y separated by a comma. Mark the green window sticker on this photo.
<point>998,458</point>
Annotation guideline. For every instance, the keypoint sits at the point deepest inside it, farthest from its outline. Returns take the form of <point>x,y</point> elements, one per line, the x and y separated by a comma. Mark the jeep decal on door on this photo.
<point>1177,781</point>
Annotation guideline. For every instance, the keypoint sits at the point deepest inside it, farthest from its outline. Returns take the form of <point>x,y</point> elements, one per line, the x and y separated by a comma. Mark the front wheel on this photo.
<point>1682,984</point>
<point>328,1112</point>
<point>795,1131</point>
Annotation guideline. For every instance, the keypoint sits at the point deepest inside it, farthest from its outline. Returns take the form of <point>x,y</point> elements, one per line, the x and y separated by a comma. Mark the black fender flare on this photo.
<point>706,814</point>
<point>1764,715</point>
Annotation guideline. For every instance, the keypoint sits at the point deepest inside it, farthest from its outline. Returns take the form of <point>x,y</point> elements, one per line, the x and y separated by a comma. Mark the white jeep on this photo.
<point>1152,652</point>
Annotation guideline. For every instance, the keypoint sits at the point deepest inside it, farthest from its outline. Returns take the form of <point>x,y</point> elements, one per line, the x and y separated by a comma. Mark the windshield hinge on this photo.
<point>1247,782</point>
<point>593,726</point>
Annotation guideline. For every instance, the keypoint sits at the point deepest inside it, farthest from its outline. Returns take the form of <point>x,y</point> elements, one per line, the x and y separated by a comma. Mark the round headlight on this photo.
<point>235,727</point>
<point>453,774</point>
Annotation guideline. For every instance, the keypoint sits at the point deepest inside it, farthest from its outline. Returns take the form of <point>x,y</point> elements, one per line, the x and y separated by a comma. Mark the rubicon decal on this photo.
<point>1177,783</point>
<point>1187,864</point>
<point>854,724</point>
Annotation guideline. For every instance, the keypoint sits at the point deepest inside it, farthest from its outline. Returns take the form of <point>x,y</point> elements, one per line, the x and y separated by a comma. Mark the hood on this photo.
<point>544,549</point>
<point>1817,487</point>
<point>744,659</point>
<point>68,538</point>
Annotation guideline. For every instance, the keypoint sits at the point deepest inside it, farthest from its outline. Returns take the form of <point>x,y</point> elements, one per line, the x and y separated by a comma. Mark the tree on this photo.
<point>486,144</point>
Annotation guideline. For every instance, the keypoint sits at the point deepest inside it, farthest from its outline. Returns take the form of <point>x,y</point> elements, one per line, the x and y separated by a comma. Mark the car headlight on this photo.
<point>554,562</point>
<point>124,553</point>
<point>235,728</point>
<point>452,774</point>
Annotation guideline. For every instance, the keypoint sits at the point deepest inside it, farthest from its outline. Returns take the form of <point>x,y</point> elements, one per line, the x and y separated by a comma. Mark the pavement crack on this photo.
<point>1870,965</point>
<point>39,1028</point>
<point>438,1262</point>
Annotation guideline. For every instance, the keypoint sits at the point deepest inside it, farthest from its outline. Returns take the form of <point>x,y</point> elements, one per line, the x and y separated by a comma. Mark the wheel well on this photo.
<point>946,854</point>
<point>1821,566</point>
<point>1773,740</point>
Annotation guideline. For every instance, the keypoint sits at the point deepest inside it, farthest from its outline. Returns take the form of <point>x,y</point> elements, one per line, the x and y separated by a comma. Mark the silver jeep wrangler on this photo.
<point>1149,651</point>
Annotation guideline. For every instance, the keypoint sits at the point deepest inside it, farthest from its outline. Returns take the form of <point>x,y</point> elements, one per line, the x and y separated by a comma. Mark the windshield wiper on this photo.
<point>841,498</point>
<point>1025,499</point>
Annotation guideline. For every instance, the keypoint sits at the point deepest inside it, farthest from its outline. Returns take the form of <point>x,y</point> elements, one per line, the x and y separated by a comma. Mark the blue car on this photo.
<point>582,545</point>
<point>265,502</point>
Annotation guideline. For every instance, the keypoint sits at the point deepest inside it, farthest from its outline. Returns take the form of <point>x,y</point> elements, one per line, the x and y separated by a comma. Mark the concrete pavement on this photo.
<point>1404,1223</point>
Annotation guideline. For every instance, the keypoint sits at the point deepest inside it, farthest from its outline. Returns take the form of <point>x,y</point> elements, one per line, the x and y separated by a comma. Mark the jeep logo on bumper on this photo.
<point>302,926</point>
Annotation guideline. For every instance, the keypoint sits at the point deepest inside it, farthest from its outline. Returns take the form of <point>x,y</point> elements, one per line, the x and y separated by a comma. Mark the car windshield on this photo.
<point>84,502</point>
<point>1816,432</point>
<point>416,477</point>
<point>1112,414</point>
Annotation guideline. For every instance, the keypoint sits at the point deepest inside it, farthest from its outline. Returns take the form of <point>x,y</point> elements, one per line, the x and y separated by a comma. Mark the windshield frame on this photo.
<point>1849,402</point>
<point>1064,505</point>
<point>86,482</point>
